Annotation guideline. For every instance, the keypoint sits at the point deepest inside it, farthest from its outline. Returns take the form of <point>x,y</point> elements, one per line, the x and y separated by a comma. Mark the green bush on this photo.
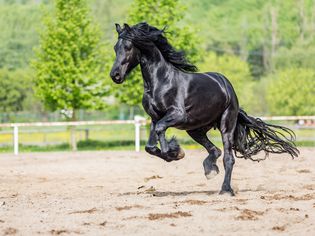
<point>292,92</point>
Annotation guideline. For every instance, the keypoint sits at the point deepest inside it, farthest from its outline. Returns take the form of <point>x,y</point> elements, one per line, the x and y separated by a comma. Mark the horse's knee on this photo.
<point>159,128</point>
<point>229,160</point>
<point>151,149</point>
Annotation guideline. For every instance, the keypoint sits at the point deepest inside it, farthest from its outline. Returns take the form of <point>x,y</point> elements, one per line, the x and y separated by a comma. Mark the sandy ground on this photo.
<point>127,193</point>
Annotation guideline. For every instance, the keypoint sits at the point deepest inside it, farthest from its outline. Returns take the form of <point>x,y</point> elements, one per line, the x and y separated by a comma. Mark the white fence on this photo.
<point>138,121</point>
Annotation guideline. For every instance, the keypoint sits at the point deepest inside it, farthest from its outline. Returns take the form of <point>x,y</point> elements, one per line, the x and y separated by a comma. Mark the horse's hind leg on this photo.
<point>209,164</point>
<point>227,127</point>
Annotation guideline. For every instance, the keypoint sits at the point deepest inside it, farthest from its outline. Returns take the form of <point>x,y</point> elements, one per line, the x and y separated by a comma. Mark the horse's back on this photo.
<point>212,85</point>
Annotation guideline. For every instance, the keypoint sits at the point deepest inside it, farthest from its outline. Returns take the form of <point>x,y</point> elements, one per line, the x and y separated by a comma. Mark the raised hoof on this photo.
<point>175,156</point>
<point>229,192</point>
<point>181,154</point>
<point>211,169</point>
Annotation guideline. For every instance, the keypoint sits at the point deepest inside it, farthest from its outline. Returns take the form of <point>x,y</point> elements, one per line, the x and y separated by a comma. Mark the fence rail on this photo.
<point>137,122</point>
<point>279,118</point>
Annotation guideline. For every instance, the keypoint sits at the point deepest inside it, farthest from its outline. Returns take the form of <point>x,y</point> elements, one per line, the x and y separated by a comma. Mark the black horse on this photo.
<point>175,96</point>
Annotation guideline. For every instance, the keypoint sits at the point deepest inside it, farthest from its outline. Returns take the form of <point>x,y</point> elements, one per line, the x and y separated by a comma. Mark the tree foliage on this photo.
<point>257,31</point>
<point>18,24</point>
<point>292,92</point>
<point>159,13</point>
<point>15,86</point>
<point>70,62</point>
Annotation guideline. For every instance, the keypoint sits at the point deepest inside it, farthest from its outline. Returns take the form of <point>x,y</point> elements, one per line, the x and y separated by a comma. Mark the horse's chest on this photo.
<point>153,107</point>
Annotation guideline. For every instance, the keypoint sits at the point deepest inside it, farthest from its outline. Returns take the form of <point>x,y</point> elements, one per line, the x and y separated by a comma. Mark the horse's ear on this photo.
<point>126,26</point>
<point>118,28</point>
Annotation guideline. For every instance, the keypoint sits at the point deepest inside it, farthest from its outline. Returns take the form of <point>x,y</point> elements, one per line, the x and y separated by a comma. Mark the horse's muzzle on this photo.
<point>116,77</point>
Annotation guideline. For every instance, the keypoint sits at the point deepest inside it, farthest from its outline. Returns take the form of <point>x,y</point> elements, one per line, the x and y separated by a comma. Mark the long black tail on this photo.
<point>252,135</point>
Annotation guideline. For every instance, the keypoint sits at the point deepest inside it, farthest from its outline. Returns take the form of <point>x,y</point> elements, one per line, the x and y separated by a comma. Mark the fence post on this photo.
<point>138,120</point>
<point>87,136</point>
<point>16,139</point>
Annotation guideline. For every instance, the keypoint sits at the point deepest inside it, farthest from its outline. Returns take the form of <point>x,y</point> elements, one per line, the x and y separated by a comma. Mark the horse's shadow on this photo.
<point>181,193</point>
<point>170,193</point>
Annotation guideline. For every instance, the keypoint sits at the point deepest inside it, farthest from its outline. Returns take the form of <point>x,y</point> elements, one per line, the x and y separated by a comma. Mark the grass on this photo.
<point>87,145</point>
<point>109,137</point>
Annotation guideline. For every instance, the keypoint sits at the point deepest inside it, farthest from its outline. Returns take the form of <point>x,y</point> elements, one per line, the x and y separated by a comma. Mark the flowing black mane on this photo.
<point>143,35</point>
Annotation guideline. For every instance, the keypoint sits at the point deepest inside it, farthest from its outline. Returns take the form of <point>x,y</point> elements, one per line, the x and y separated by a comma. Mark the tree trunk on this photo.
<point>265,58</point>
<point>302,22</point>
<point>274,40</point>
<point>131,112</point>
<point>244,40</point>
<point>73,141</point>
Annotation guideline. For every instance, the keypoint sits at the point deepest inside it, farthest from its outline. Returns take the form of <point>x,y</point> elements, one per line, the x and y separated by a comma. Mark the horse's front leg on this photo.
<point>170,150</point>
<point>151,146</point>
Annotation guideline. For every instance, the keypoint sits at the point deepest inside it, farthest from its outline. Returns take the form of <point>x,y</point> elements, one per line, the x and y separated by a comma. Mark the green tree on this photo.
<point>300,55</point>
<point>292,92</point>
<point>255,30</point>
<point>13,90</point>
<point>18,36</point>
<point>159,13</point>
<point>16,93</point>
<point>70,62</point>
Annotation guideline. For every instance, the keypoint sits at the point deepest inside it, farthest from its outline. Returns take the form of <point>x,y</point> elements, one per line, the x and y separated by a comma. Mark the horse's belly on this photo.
<point>204,112</point>
<point>205,101</point>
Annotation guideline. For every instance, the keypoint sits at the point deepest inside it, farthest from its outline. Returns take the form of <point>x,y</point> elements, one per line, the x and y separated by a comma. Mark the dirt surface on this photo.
<point>126,193</point>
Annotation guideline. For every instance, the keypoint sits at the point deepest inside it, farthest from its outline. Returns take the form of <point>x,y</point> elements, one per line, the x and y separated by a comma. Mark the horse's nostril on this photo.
<point>114,74</point>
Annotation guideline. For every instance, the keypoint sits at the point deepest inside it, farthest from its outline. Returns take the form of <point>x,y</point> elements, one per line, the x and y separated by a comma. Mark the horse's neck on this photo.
<point>152,65</point>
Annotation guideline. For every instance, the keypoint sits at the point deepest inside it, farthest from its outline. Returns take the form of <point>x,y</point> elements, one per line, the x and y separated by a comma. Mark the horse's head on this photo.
<point>127,56</point>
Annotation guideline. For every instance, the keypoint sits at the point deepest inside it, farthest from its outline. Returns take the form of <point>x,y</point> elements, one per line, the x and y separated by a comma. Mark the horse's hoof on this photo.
<point>211,175</point>
<point>228,192</point>
<point>181,154</point>
<point>211,169</point>
<point>175,155</point>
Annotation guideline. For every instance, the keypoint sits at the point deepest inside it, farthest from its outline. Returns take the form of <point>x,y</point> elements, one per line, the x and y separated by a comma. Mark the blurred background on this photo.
<point>55,58</point>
